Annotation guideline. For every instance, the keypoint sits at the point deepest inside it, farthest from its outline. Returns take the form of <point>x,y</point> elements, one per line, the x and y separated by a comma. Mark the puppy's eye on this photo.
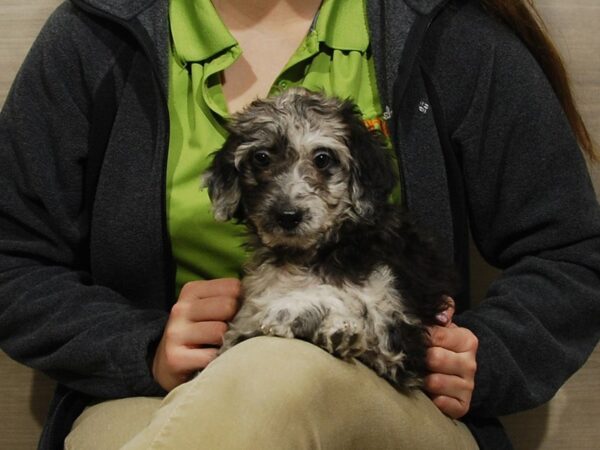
<point>323,159</point>
<point>261,158</point>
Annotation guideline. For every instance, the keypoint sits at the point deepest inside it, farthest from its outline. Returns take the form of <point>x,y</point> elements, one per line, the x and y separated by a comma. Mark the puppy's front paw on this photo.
<point>343,337</point>
<point>277,322</point>
<point>285,322</point>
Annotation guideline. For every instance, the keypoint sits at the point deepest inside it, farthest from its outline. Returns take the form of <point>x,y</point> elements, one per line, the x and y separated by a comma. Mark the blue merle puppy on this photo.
<point>334,263</point>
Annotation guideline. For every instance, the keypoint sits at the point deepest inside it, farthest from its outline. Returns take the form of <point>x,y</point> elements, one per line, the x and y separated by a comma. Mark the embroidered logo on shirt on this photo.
<point>379,124</point>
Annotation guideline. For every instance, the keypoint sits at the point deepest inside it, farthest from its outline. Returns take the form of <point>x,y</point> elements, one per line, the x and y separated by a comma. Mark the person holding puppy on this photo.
<point>116,281</point>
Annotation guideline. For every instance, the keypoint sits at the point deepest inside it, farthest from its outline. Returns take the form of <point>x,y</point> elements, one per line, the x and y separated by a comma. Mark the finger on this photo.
<point>192,309</point>
<point>441,360</point>
<point>206,333</point>
<point>222,287</point>
<point>452,407</point>
<point>210,309</point>
<point>453,338</point>
<point>444,318</point>
<point>198,334</point>
<point>187,360</point>
<point>449,386</point>
<point>199,358</point>
<point>195,334</point>
<point>451,308</point>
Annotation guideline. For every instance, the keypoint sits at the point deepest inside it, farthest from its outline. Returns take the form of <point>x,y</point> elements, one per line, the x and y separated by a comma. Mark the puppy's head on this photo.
<point>295,167</point>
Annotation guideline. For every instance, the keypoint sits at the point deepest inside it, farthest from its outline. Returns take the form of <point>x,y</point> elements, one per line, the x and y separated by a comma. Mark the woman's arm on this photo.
<point>53,316</point>
<point>533,213</point>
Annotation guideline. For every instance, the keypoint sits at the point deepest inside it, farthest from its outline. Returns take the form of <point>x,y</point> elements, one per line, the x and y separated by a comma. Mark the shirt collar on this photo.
<point>190,21</point>
<point>342,25</point>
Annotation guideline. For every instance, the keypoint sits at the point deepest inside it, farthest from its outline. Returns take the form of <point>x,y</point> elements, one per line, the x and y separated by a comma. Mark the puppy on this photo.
<point>334,263</point>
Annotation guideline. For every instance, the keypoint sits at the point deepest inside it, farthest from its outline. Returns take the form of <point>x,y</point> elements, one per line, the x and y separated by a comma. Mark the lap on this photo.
<point>275,393</point>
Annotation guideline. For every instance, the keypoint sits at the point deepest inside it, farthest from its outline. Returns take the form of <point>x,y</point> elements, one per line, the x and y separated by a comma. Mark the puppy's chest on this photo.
<point>272,279</point>
<point>269,283</point>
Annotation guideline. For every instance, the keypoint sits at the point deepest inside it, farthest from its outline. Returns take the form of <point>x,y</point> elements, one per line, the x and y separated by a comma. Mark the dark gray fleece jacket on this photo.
<point>86,273</point>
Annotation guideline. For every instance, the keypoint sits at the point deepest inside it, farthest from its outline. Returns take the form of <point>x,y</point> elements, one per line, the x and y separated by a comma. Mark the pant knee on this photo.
<point>273,369</point>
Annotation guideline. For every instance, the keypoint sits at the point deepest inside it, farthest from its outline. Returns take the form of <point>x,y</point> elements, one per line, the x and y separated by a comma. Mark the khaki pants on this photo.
<point>271,393</point>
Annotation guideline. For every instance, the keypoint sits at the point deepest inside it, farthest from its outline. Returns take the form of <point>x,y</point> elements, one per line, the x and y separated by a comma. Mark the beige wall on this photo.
<point>568,422</point>
<point>20,21</point>
<point>575,26</point>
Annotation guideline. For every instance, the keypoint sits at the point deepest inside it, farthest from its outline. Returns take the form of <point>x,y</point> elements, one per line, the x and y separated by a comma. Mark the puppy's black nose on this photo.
<point>288,220</point>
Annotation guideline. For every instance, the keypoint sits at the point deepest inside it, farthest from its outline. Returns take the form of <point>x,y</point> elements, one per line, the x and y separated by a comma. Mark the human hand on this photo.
<point>195,328</point>
<point>451,358</point>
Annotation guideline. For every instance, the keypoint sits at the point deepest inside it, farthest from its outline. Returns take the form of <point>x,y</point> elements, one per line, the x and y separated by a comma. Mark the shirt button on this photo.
<point>283,84</point>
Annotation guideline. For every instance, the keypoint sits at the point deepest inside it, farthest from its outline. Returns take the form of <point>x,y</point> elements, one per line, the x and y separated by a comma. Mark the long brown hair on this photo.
<point>523,17</point>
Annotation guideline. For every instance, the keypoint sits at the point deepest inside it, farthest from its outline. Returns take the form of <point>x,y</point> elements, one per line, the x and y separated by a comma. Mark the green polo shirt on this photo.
<point>334,58</point>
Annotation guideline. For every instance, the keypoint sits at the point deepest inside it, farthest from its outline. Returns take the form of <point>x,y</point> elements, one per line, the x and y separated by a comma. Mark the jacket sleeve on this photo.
<point>533,213</point>
<point>52,315</point>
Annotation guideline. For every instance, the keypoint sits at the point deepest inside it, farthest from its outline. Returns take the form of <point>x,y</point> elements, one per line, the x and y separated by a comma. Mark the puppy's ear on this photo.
<point>372,176</point>
<point>222,181</point>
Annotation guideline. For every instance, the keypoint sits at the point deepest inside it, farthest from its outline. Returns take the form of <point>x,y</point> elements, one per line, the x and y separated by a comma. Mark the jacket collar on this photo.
<point>424,6</point>
<point>341,25</point>
<point>146,19</point>
<point>120,9</point>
